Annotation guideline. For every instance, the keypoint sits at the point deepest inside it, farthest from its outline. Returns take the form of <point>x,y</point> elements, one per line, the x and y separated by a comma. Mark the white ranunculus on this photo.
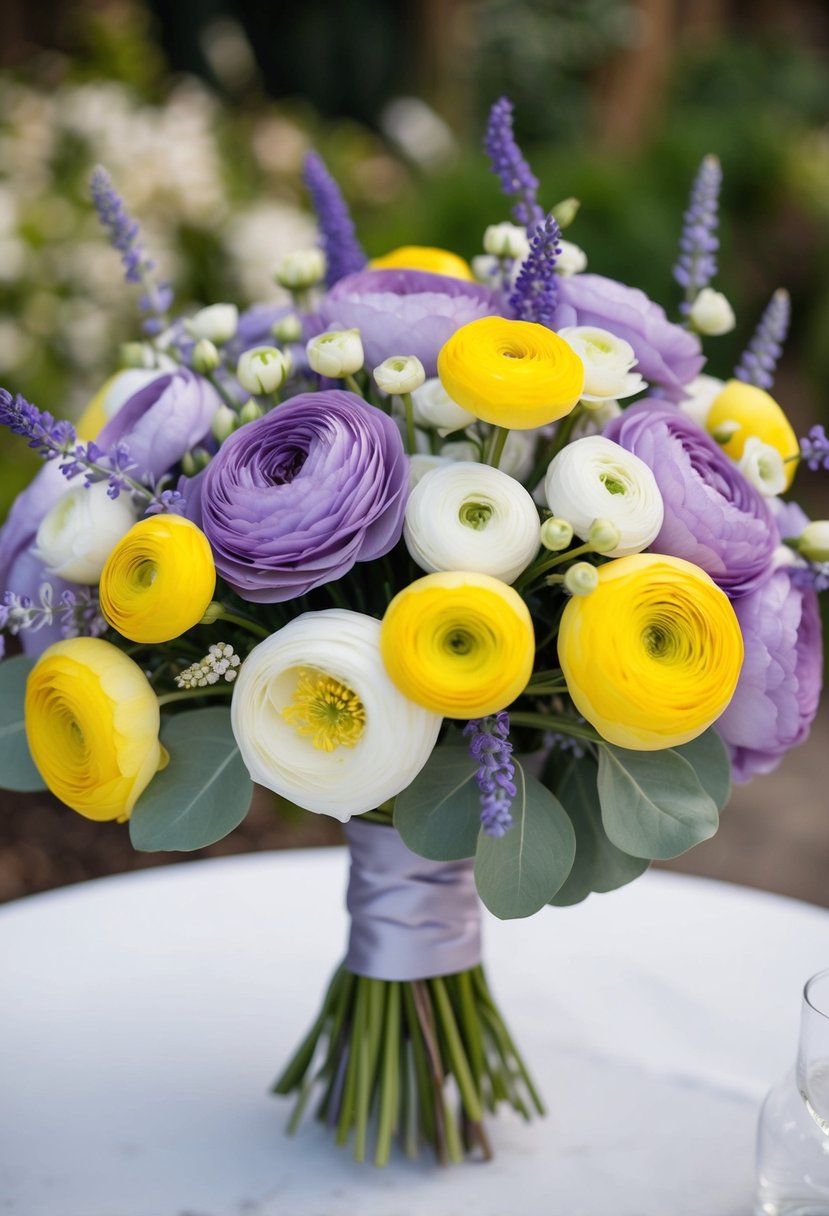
<point>571,260</point>
<point>217,323</point>
<point>595,478</point>
<point>400,374</point>
<point>469,516</point>
<point>374,762</point>
<point>711,313</point>
<point>263,369</point>
<point>435,409</point>
<point>701,393</point>
<point>813,541</point>
<point>762,465</point>
<point>335,354</point>
<point>607,362</point>
<point>301,269</point>
<point>594,421</point>
<point>506,240</point>
<point>422,463</point>
<point>76,536</point>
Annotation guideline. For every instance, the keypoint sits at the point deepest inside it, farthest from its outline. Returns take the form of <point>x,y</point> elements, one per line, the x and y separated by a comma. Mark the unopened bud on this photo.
<point>263,369</point>
<point>581,578</point>
<point>813,541</point>
<point>506,241</point>
<point>711,313</point>
<point>217,323</point>
<point>250,411</point>
<point>135,354</point>
<point>571,260</point>
<point>336,354</point>
<point>225,422</point>
<point>556,534</point>
<point>205,357</point>
<point>725,431</point>
<point>603,535</point>
<point>194,461</point>
<point>566,211</point>
<point>287,328</point>
<point>212,613</point>
<point>301,269</point>
<point>400,374</point>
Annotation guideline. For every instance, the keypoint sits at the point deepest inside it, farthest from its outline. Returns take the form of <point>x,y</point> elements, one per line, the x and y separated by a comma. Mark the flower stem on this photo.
<point>354,386</point>
<point>188,694</point>
<point>232,619</point>
<point>562,435</point>
<point>568,726</point>
<point>543,564</point>
<point>499,438</point>
<point>411,441</point>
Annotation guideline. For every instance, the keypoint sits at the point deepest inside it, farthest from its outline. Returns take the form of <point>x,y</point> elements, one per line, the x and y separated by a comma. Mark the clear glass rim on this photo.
<point>807,994</point>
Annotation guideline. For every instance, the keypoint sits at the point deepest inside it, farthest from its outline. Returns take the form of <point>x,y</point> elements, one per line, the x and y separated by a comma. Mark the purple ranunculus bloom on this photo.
<point>713,516</point>
<point>294,499</point>
<point>403,312</point>
<point>777,693</point>
<point>668,355</point>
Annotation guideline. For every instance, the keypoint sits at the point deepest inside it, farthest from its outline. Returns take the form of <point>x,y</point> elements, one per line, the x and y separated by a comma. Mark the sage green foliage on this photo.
<point>439,815</point>
<point>653,804</point>
<point>599,865</point>
<point>17,770</point>
<point>520,872</point>
<point>202,794</point>
<point>709,757</point>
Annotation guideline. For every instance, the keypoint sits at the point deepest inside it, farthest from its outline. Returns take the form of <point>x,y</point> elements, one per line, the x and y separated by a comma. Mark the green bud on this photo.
<point>250,411</point>
<point>566,211</point>
<point>287,328</point>
<point>603,535</point>
<point>135,354</point>
<point>205,357</point>
<point>212,613</point>
<point>556,534</point>
<point>225,422</point>
<point>194,461</point>
<point>581,578</point>
<point>725,431</point>
<point>813,541</point>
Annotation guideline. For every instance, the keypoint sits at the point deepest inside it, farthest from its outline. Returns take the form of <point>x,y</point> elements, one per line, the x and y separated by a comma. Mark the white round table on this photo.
<point>144,1017</point>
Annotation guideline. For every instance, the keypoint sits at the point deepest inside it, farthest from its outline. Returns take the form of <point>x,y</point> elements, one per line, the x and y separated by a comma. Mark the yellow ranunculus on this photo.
<point>511,373</point>
<point>424,257</point>
<point>460,644</point>
<point>158,580</point>
<point>758,415</point>
<point>651,657</point>
<point>92,725</point>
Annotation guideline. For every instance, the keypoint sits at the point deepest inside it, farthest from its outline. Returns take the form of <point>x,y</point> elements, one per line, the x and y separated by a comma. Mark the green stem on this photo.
<point>543,564</point>
<point>188,694</point>
<point>457,1055</point>
<point>229,401</point>
<point>499,438</point>
<point>538,688</point>
<point>389,1083</point>
<point>411,441</point>
<point>353,386</point>
<point>568,726</point>
<point>232,619</point>
<point>562,435</point>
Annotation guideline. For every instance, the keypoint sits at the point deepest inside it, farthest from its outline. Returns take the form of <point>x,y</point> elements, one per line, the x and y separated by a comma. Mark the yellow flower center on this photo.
<point>325,710</point>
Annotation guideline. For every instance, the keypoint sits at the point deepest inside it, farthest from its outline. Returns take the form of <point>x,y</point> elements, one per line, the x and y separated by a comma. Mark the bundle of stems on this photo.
<point>417,1059</point>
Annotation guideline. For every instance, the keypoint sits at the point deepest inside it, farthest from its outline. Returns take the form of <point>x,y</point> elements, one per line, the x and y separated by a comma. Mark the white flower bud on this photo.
<point>762,465</point>
<point>250,412</point>
<point>225,421</point>
<point>435,409</point>
<point>711,313</point>
<point>487,270</point>
<point>287,328</point>
<point>205,357</point>
<point>263,369</point>
<point>506,241</point>
<point>556,534</point>
<point>135,354</point>
<point>566,211</point>
<point>607,362</point>
<point>301,269</point>
<point>701,393</point>
<point>194,461</point>
<point>726,430</point>
<point>218,323</point>
<point>76,536</point>
<point>581,578</point>
<point>336,354</point>
<point>603,536</point>
<point>399,374</point>
<point>571,260</point>
<point>813,541</point>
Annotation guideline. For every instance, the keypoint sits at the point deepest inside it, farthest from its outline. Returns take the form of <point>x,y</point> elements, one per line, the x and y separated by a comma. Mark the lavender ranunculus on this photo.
<point>403,312</point>
<point>294,499</point>
<point>777,694</point>
<point>668,355</point>
<point>713,516</point>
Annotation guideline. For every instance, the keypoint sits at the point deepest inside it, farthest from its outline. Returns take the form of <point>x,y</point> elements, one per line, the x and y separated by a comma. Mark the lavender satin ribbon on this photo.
<point>411,918</point>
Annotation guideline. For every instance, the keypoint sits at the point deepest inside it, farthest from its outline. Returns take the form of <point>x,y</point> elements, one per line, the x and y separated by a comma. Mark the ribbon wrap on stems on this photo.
<point>411,918</point>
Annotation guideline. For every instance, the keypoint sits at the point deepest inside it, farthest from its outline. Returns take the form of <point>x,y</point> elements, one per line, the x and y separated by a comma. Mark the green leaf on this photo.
<point>17,769</point>
<point>520,872</point>
<point>652,803</point>
<point>439,814</point>
<point>202,794</point>
<point>599,865</point>
<point>708,756</point>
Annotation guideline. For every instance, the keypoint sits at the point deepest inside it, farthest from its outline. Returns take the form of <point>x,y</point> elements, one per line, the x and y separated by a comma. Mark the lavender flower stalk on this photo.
<point>536,289</point>
<point>343,253</point>
<point>759,359</point>
<point>124,235</point>
<point>517,179</point>
<point>698,244</point>
<point>814,449</point>
<point>77,612</point>
<point>489,745</point>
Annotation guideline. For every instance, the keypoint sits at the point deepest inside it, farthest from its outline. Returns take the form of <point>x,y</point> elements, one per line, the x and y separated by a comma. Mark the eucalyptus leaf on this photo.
<point>598,865</point>
<point>520,872</point>
<point>439,814</point>
<point>653,804</point>
<point>202,794</point>
<point>17,769</point>
<point>708,756</point>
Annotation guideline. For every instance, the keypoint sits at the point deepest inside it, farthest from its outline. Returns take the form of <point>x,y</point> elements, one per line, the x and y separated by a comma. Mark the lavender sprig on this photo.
<point>517,179</point>
<point>489,746</point>
<point>343,253</point>
<point>759,360</point>
<point>125,236</point>
<point>536,288</point>
<point>77,612</point>
<point>698,243</point>
<point>814,449</point>
<point>813,574</point>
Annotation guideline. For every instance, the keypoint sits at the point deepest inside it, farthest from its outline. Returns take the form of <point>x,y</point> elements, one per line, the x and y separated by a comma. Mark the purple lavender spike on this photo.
<point>490,747</point>
<point>814,449</point>
<point>343,253</point>
<point>517,179</point>
<point>536,289</point>
<point>759,360</point>
<point>698,244</point>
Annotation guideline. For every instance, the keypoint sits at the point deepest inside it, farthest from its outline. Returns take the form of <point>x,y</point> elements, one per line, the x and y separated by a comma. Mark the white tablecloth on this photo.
<point>143,1018</point>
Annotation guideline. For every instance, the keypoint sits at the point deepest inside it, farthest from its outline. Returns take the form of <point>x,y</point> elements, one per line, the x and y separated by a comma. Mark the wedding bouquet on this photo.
<point>370,549</point>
